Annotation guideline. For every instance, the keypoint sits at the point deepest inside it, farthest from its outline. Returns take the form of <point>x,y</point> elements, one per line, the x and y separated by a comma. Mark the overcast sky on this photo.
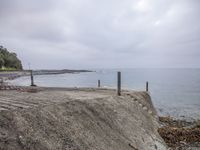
<point>102,33</point>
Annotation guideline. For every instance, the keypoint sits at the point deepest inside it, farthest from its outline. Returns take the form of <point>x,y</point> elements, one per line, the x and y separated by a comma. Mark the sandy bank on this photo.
<point>78,119</point>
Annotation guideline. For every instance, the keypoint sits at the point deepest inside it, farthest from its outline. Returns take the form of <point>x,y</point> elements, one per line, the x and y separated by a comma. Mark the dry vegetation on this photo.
<point>180,134</point>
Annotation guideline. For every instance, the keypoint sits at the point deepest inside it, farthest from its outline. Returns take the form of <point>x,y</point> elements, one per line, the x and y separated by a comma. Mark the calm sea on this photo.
<point>174,92</point>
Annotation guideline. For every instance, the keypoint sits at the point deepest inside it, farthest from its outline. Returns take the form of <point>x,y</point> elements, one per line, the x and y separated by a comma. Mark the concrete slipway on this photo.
<point>77,119</point>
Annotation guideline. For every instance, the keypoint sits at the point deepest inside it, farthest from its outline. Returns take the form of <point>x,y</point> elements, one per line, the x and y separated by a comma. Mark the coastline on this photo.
<point>169,128</point>
<point>11,75</point>
<point>170,99</point>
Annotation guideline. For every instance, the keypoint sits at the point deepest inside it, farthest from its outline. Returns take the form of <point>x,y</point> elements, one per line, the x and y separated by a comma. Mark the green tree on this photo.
<point>9,60</point>
<point>1,61</point>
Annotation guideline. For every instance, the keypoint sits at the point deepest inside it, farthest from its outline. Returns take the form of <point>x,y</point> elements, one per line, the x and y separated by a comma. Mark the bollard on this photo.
<point>147,86</point>
<point>118,83</point>
<point>32,80</point>
<point>99,83</point>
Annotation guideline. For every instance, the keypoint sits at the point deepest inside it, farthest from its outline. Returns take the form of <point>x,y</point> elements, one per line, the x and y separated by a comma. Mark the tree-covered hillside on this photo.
<point>9,60</point>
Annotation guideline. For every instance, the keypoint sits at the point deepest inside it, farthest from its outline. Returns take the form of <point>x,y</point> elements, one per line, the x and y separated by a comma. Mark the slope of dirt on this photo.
<point>78,119</point>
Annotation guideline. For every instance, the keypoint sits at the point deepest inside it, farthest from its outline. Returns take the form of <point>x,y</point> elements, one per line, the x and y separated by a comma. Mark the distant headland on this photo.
<point>11,67</point>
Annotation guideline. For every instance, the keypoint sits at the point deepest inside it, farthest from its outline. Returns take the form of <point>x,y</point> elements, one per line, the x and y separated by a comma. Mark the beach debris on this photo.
<point>179,133</point>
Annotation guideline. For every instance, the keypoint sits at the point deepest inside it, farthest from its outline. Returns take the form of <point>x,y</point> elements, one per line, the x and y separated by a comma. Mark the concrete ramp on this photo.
<point>80,119</point>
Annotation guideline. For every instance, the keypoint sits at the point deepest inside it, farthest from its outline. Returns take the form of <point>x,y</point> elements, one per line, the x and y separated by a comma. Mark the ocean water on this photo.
<point>174,92</point>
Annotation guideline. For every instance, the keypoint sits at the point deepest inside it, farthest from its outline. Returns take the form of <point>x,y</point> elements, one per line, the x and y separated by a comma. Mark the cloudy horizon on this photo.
<point>102,34</point>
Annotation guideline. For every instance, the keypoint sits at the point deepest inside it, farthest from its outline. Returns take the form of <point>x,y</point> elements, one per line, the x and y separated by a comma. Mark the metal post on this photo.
<point>118,83</point>
<point>147,86</point>
<point>99,83</point>
<point>32,80</point>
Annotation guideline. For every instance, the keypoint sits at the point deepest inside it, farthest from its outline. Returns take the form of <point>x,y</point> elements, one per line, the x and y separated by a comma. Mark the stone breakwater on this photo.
<point>10,75</point>
<point>78,119</point>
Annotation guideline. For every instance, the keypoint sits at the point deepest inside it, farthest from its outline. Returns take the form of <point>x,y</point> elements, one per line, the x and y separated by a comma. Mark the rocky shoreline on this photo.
<point>180,134</point>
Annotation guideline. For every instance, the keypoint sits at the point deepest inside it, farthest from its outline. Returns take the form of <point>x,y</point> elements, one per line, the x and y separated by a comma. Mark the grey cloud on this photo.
<point>114,33</point>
